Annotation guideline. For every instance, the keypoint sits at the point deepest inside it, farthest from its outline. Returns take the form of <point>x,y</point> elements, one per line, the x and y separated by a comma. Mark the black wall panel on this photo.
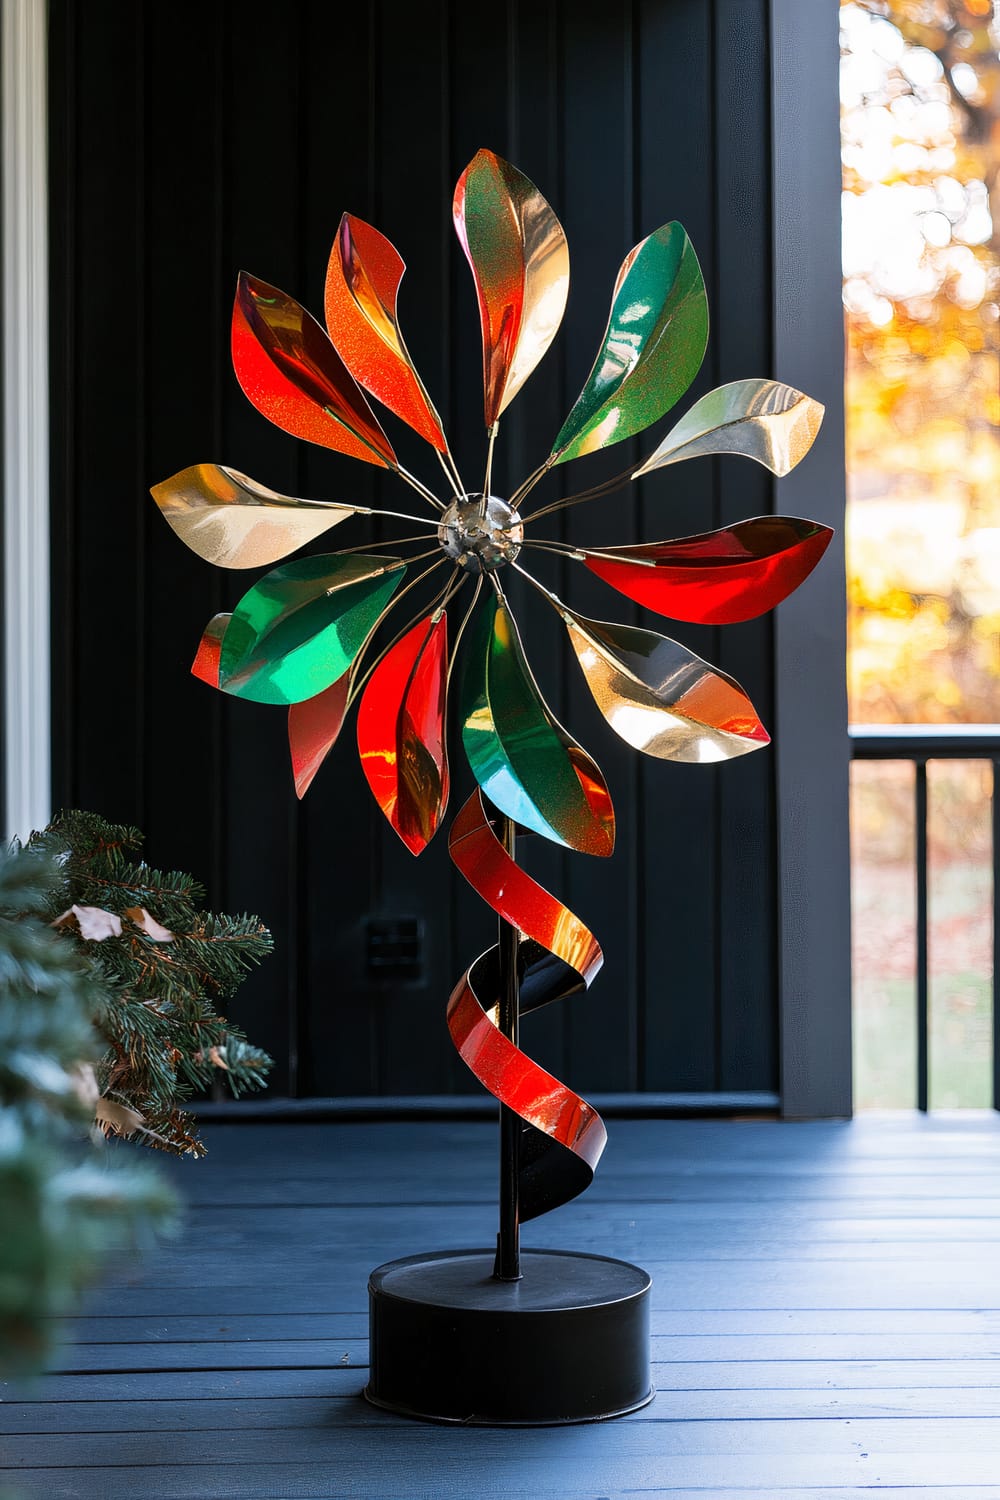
<point>190,140</point>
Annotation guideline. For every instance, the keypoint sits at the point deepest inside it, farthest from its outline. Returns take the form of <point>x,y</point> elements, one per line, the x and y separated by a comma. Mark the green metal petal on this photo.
<point>302,625</point>
<point>652,350</point>
<point>661,698</point>
<point>761,419</point>
<point>524,760</point>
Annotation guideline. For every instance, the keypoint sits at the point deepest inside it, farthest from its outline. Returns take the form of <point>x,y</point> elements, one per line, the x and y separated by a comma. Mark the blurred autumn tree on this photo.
<point>920,89</point>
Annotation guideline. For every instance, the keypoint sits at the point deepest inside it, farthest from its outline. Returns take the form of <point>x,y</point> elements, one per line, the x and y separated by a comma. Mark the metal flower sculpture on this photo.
<point>302,636</point>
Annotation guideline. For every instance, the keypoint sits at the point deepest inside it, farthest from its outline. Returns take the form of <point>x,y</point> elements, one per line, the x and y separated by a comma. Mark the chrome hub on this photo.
<point>481,536</point>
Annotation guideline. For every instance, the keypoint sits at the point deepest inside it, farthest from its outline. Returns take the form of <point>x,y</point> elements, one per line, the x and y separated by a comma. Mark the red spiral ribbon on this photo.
<point>557,957</point>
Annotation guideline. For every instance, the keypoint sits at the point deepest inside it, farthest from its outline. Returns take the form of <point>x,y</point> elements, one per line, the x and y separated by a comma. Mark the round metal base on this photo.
<point>569,1342</point>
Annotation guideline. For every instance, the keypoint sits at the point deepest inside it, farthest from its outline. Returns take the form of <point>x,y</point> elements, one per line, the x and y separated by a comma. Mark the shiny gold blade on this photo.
<point>235,522</point>
<point>761,419</point>
<point>661,698</point>
<point>517,250</point>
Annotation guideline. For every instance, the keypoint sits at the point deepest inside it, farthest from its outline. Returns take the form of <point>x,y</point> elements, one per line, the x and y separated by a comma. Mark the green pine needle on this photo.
<point>157,1010</point>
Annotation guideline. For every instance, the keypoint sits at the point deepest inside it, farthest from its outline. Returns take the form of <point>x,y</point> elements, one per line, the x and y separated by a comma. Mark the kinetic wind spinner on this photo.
<point>302,637</point>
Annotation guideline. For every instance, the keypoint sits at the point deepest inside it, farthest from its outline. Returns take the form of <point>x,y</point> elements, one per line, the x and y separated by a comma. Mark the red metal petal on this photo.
<point>313,727</point>
<point>401,733</point>
<point>362,282</point>
<point>293,375</point>
<point>206,660</point>
<point>717,577</point>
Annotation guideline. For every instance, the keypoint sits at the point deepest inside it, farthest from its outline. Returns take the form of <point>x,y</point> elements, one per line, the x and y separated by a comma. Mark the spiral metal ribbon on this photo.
<point>563,1136</point>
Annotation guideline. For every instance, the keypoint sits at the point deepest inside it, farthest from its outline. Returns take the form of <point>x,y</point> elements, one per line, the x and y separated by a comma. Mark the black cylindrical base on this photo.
<point>567,1343</point>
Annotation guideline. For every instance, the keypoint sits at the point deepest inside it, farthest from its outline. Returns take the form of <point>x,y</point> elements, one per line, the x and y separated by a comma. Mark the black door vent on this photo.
<point>395,950</point>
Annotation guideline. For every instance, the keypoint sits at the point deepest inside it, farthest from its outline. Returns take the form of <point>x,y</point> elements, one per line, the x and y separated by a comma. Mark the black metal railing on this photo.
<point>918,744</point>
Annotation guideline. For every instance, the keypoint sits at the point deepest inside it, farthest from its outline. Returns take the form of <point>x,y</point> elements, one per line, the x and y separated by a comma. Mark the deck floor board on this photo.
<point>826,1321</point>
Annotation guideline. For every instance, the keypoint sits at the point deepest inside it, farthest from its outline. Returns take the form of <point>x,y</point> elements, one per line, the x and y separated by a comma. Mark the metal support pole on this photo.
<point>996,931</point>
<point>922,948</point>
<point>508,1261</point>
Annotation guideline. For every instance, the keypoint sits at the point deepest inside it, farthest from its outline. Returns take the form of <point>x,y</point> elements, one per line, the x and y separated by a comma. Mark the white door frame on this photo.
<point>27,792</point>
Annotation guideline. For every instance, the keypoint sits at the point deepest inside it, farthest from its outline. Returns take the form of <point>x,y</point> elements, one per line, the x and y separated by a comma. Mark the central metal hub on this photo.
<point>481,533</point>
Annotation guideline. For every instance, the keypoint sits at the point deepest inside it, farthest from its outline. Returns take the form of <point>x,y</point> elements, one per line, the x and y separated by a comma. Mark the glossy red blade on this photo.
<point>313,728</point>
<point>294,376</point>
<point>362,283</point>
<point>718,577</point>
<point>206,659</point>
<point>401,733</point>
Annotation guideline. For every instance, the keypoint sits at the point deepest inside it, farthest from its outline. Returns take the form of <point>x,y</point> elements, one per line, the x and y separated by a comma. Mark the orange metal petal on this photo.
<point>294,376</point>
<point>362,282</point>
<point>401,733</point>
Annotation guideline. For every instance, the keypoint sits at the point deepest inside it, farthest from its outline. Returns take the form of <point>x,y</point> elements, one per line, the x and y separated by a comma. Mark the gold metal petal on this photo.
<point>761,419</point>
<point>517,250</point>
<point>661,698</point>
<point>235,522</point>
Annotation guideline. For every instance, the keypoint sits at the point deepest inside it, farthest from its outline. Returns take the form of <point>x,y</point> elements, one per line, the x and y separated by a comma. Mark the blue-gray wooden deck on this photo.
<point>826,1323</point>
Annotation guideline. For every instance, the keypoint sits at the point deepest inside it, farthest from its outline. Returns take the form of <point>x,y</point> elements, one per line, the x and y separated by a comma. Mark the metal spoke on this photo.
<point>461,629</point>
<point>528,484</point>
<point>420,487</point>
<point>596,492</point>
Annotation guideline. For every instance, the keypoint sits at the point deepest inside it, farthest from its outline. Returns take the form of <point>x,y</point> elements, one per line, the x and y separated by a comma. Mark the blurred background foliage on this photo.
<point>920,93</point>
<point>920,90</point>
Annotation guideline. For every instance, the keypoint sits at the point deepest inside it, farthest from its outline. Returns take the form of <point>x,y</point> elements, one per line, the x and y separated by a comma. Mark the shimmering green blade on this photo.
<point>652,349</point>
<point>521,756</point>
<point>302,625</point>
<point>661,698</point>
<point>762,419</point>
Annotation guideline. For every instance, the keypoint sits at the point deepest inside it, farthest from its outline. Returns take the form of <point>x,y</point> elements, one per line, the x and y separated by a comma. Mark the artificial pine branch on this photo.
<point>164,964</point>
<point>60,1215</point>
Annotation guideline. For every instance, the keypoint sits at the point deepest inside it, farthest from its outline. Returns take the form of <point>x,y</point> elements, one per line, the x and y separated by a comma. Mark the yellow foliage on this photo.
<point>922,267</point>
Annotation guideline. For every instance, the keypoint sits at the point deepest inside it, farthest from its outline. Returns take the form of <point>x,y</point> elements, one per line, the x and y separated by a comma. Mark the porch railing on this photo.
<point>918,744</point>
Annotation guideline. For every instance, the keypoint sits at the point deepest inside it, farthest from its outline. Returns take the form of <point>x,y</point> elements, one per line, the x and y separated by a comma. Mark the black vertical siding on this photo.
<point>192,140</point>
